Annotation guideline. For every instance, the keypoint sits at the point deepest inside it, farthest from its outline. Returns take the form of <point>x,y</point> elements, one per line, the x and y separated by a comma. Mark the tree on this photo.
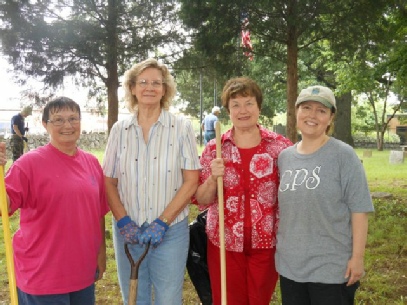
<point>282,31</point>
<point>95,41</point>
<point>375,70</point>
<point>194,64</point>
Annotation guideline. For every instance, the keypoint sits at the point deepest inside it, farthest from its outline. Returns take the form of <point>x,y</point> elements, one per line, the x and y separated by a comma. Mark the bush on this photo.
<point>361,137</point>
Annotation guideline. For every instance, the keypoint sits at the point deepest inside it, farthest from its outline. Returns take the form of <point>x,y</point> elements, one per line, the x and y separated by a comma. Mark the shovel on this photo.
<point>134,273</point>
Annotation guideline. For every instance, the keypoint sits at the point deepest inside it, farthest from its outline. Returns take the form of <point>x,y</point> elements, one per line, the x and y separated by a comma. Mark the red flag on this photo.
<point>246,43</point>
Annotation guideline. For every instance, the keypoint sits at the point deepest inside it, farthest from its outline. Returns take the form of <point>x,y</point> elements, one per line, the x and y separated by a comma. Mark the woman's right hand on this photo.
<point>217,168</point>
<point>129,230</point>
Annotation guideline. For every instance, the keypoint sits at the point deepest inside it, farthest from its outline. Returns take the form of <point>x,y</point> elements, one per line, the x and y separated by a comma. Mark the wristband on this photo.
<point>123,221</point>
<point>162,223</point>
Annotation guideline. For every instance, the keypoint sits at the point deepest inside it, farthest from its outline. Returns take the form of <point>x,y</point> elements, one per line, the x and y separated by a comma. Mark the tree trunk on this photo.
<point>380,141</point>
<point>343,129</point>
<point>292,76</point>
<point>112,81</point>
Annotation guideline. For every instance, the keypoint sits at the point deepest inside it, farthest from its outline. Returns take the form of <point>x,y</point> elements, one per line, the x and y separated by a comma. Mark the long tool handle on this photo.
<point>133,291</point>
<point>221,219</point>
<point>7,240</point>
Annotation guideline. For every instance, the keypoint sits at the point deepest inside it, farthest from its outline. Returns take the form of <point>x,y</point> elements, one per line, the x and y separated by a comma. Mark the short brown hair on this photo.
<point>242,86</point>
<point>58,104</point>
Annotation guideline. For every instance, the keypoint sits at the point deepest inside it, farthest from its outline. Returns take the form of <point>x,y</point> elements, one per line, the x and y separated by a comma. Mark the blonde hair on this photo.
<point>130,78</point>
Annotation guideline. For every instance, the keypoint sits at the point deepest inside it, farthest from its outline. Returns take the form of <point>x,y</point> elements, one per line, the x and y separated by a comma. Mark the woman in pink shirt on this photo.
<point>249,170</point>
<point>59,249</point>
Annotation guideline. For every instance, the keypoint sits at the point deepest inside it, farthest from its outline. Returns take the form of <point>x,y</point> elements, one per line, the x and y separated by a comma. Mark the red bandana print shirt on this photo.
<point>264,180</point>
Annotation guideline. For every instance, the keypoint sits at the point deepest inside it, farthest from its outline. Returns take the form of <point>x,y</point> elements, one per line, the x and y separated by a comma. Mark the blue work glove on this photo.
<point>129,230</point>
<point>154,233</point>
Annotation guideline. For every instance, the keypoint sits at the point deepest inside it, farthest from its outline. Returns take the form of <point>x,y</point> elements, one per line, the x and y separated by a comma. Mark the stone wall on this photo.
<point>373,145</point>
<point>95,141</point>
<point>87,141</point>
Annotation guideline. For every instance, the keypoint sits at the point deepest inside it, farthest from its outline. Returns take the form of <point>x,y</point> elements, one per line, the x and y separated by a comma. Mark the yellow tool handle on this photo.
<point>7,240</point>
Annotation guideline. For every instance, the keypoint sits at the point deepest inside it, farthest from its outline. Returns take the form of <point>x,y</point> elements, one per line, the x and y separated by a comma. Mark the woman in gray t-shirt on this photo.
<point>324,204</point>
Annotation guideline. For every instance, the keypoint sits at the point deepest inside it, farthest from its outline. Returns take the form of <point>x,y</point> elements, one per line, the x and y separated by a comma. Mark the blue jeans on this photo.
<point>209,135</point>
<point>84,296</point>
<point>162,269</point>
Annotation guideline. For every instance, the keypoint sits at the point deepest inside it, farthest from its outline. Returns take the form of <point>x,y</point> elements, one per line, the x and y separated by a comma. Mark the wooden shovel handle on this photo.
<point>221,219</point>
<point>134,273</point>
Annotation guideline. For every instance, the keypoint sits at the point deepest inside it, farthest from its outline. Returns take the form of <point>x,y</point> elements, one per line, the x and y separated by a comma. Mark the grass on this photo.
<point>386,253</point>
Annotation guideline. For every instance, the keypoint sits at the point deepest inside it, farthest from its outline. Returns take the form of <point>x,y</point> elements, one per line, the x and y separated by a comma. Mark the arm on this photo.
<point>113,198</point>
<point>183,196</point>
<point>102,251</point>
<point>355,268</point>
<point>206,192</point>
<point>17,131</point>
<point>214,123</point>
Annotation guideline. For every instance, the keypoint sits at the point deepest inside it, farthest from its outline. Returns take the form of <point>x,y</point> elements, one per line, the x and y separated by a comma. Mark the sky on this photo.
<point>11,92</point>
<point>9,89</point>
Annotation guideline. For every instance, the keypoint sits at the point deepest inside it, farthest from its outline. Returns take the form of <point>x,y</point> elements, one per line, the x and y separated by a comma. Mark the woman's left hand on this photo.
<point>101,266</point>
<point>355,270</point>
<point>3,154</point>
<point>154,233</point>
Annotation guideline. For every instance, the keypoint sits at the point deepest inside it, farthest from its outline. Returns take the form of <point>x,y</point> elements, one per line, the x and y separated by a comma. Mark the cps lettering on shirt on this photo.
<point>292,180</point>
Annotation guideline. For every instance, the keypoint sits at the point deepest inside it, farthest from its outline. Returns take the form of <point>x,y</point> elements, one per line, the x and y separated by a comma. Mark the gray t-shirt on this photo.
<point>317,194</point>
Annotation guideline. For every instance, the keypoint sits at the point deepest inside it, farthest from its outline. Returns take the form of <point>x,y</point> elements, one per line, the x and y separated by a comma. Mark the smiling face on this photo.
<point>65,136</point>
<point>244,111</point>
<point>146,90</point>
<point>313,119</point>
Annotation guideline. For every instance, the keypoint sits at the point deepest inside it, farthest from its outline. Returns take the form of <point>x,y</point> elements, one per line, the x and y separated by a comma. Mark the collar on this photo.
<point>163,119</point>
<point>265,134</point>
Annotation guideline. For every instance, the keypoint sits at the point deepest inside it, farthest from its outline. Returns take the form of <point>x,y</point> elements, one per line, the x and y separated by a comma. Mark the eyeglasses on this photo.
<point>61,121</point>
<point>155,83</point>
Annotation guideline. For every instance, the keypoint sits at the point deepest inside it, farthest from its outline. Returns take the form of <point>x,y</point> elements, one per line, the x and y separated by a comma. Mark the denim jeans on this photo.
<point>162,269</point>
<point>209,135</point>
<point>85,296</point>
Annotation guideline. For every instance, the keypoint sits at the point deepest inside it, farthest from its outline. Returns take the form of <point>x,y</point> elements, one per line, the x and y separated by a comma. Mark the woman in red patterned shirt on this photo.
<point>250,175</point>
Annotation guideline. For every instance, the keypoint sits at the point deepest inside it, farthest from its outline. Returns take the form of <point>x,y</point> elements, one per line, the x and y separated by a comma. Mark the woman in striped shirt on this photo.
<point>151,169</point>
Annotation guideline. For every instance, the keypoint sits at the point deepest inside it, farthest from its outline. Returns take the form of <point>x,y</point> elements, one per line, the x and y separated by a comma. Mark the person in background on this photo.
<point>151,169</point>
<point>324,204</point>
<point>18,131</point>
<point>250,176</point>
<point>59,248</point>
<point>208,124</point>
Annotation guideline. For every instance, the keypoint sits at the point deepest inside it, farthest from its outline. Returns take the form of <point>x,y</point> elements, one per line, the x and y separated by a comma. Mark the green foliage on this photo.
<point>196,75</point>
<point>93,41</point>
<point>362,119</point>
<point>371,137</point>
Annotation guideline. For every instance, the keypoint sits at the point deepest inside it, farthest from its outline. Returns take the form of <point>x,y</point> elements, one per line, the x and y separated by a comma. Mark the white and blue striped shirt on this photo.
<point>149,175</point>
